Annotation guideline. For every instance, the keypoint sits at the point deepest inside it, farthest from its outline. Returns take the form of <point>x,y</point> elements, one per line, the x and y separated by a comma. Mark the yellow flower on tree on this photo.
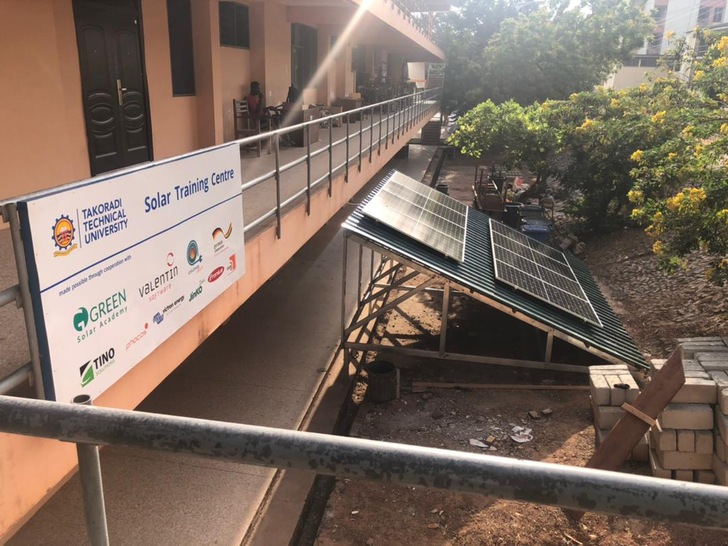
<point>659,117</point>
<point>722,46</point>
<point>614,103</point>
<point>720,62</point>
<point>724,129</point>
<point>637,156</point>
<point>658,248</point>
<point>699,75</point>
<point>587,124</point>
<point>635,196</point>
<point>671,156</point>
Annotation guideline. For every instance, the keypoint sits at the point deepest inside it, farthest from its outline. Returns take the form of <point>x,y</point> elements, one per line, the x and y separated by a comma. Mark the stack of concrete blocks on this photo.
<point>684,444</point>
<point>611,386</point>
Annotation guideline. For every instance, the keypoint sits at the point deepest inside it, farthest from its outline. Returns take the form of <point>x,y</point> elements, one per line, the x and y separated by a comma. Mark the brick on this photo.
<point>607,416</point>
<point>617,396</point>
<point>721,470</point>
<point>697,391</point>
<point>687,416</point>
<point>683,475</point>
<point>609,368</point>
<point>696,374</point>
<point>718,356</point>
<point>681,460</point>
<point>634,391</point>
<point>723,400</point>
<point>689,349</point>
<point>663,440</point>
<point>703,441</point>
<point>599,389</point>
<point>657,470</point>
<point>704,476</point>
<point>722,423</point>
<point>693,366</point>
<point>686,440</point>
<point>720,448</point>
<point>682,340</point>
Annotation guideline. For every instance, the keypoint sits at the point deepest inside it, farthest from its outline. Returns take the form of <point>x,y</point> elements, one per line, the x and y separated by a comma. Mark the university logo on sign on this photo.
<point>64,234</point>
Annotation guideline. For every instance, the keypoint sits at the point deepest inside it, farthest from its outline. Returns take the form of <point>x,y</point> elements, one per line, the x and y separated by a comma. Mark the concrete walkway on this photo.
<point>261,368</point>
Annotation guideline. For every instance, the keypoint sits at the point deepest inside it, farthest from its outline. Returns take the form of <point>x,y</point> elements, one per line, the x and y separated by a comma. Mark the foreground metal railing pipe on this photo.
<point>10,295</point>
<point>529,481</point>
<point>19,377</point>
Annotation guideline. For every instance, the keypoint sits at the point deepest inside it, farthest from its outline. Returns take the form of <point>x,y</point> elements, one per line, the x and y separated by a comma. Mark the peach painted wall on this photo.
<point>206,38</point>
<point>236,80</point>
<point>277,40</point>
<point>31,469</point>
<point>42,134</point>
<point>174,119</point>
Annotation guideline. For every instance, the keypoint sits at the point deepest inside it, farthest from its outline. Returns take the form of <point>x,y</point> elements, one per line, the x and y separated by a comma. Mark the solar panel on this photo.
<point>422,213</point>
<point>539,270</point>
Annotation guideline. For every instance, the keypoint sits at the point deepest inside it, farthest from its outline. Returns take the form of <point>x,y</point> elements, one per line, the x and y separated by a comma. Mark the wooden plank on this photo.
<point>626,434</point>
<point>431,385</point>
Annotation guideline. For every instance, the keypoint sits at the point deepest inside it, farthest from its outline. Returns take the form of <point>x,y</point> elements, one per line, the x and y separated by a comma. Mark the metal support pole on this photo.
<point>89,469</point>
<point>277,148</point>
<point>539,482</point>
<point>10,213</point>
<point>15,379</point>
<point>359,282</point>
<point>371,134</point>
<point>386,140</point>
<point>361,136</point>
<point>308,170</point>
<point>331,157</point>
<point>346,159</point>
<point>344,269</point>
<point>379,142</point>
<point>443,318</point>
<point>11,295</point>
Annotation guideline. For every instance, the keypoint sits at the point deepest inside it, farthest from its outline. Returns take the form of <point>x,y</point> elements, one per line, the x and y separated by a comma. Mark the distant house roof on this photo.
<point>476,273</point>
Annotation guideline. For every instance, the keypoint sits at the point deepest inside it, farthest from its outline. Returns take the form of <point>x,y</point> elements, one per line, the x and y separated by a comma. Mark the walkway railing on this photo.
<point>574,488</point>
<point>368,130</point>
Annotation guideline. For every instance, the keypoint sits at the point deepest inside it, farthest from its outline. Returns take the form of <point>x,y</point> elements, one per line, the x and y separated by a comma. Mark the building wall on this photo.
<point>236,80</point>
<point>42,134</point>
<point>629,76</point>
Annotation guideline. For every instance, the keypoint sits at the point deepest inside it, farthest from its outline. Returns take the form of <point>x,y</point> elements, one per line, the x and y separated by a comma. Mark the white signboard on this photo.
<point>121,263</point>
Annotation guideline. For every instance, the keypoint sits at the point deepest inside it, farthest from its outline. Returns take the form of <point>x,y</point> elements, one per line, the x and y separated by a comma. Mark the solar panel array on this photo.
<point>539,270</point>
<point>423,213</point>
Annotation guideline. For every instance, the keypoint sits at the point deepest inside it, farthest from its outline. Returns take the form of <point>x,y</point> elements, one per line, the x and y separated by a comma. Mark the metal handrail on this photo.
<point>570,487</point>
<point>401,113</point>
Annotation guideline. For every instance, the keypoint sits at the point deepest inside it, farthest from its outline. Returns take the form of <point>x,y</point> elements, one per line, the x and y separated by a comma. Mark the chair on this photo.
<point>245,125</point>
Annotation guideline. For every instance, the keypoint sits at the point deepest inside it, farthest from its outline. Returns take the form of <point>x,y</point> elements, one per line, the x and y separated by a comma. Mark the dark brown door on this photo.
<point>112,78</point>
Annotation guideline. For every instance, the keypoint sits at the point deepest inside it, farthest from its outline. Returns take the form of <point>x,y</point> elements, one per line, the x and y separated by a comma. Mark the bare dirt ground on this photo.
<point>655,310</point>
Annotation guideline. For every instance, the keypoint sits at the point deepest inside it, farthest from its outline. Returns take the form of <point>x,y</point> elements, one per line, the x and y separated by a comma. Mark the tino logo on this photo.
<point>63,236</point>
<point>90,369</point>
<point>193,253</point>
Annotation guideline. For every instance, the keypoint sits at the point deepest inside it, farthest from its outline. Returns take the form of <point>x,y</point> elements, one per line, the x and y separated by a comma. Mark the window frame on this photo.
<point>241,37</point>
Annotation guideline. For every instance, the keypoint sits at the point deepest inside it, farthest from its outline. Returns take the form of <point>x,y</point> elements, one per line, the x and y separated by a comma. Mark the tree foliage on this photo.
<point>519,51</point>
<point>656,154</point>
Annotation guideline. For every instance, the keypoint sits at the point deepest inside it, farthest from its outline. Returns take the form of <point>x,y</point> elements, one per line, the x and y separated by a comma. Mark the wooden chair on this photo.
<point>245,125</point>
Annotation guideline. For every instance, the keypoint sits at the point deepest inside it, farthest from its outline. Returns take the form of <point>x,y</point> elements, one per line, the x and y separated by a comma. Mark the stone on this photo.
<point>697,391</point>
<point>681,460</point>
<point>687,416</point>
<point>657,470</point>
<point>686,440</point>
<point>599,389</point>
<point>703,441</point>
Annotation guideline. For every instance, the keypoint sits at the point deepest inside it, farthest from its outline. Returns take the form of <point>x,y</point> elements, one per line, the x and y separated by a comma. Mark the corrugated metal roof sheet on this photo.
<point>477,273</point>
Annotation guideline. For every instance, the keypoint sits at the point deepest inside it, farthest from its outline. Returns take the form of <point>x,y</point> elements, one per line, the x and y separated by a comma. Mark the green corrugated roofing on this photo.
<point>477,273</point>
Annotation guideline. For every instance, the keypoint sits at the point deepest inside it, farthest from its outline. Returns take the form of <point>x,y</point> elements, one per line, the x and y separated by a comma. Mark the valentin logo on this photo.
<point>216,274</point>
<point>219,237</point>
<point>193,253</point>
<point>90,369</point>
<point>63,236</point>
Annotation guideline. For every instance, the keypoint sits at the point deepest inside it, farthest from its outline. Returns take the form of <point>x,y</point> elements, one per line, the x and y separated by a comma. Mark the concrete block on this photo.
<point>689,349</point>
<point>687,416</point>
<point>686,440</point>
<point>692,365</point>
<point>711,339</point>
<point>704,476</point>
<point>609,368</point>
<point>723,400</point>
<point>657,470</point>
<point>721,470</point>
<point>683,475</point>
<point>703,441</point>
<point>633,392</point>
<point>663,440</point>
<point>607,416</point>
<point>599,389</point>
<point>617,395</point>
<point>696,374</point>
<point>718,356</point>
<point>720,447</point>
<point>721,378</point>
<point>681,460</point>
<point>697,391</point>
<point>722,423</point>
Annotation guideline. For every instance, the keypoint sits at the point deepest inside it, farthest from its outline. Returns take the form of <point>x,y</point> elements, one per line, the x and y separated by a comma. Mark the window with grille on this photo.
<point>234,25</point>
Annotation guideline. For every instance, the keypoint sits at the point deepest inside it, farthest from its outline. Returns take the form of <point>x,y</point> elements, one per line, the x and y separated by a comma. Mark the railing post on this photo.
<point>10,213</point>
<point>308,170</point>
<point>92,487</point>
<point>361,136</point>
<point>346,159</point>
<point>277,142</point>
<point>386,140</point>
<point>371,133</point>
<point>331,156</point>
<point>379,142</point>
